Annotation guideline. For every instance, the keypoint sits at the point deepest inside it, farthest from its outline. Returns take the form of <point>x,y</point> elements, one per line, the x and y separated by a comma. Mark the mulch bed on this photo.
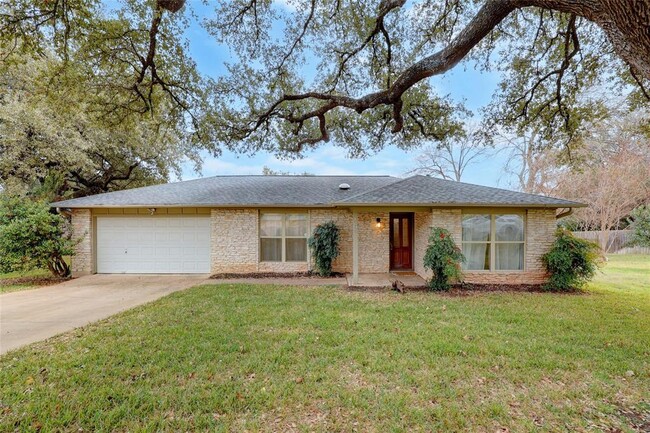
<point>261,275</point>
<point>472,287</point>
<point>32,281</point>
<point>467,289</point>
<point>464,289</point>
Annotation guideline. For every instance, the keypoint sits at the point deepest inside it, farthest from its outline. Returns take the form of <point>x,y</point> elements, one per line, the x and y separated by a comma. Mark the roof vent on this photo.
<point>344,186</point>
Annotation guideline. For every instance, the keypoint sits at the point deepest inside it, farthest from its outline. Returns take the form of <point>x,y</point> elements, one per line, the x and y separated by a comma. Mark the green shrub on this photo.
<point>571,262</point>
<point>32,237</point>
<point>443,258</point>
<point>640,225</point>
<point>324,245</point>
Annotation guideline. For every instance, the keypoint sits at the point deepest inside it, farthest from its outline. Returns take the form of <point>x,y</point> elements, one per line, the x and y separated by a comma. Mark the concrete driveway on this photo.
<point>34,315</point>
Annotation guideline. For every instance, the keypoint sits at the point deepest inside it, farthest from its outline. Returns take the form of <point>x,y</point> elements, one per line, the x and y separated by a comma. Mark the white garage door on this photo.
<point>153,245</point>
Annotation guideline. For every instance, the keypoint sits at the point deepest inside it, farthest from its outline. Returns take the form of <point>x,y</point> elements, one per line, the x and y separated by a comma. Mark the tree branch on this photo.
<point>490,15</point>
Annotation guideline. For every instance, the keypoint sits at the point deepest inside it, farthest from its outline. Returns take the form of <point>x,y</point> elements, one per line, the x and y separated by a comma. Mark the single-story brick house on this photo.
<point>249,224</point>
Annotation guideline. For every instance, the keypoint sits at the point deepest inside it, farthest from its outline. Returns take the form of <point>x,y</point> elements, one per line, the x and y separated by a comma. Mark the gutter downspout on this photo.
<point>564,214</point>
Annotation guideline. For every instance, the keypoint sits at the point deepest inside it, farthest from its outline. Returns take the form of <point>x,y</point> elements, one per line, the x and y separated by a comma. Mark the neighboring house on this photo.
<point>248,224</point>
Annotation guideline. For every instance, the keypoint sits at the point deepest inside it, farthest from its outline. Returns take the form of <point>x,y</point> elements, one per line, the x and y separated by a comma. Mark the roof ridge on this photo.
<point>491,187</point>
<point>443,183</point>
<point>196,179</point>
<point>375,189</point>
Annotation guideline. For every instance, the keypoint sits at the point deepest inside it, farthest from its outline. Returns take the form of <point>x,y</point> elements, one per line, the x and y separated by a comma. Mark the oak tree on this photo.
<point>101,100</point>
<point>357,72</point>
<point>305,72</point>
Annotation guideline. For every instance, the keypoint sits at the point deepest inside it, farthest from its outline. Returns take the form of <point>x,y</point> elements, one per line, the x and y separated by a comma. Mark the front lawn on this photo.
<point>263,358</point>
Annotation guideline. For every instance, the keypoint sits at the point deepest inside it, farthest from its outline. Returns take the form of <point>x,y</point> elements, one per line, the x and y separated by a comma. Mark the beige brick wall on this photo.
<point>343,219</point>
<point>540,234</point>
<point>374,248</point>
<point>283,267</point>
<point>234,240</point>
<point>421,231</point>
<point>540,229</point>
<point>82,262</point>
<point>449,219</point>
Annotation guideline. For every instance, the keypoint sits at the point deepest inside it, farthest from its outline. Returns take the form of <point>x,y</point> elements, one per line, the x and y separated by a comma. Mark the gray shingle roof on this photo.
<point>237,191</point>
<point>294,191</point>
<point>427,190</point>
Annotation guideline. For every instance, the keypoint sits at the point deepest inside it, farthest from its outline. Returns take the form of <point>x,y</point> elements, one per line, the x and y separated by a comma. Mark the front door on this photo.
<point>401,241</point>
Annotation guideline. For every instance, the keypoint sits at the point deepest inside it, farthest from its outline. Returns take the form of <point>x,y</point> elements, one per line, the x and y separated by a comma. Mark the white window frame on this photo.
<point>493,238</point>
<point>284,236</point>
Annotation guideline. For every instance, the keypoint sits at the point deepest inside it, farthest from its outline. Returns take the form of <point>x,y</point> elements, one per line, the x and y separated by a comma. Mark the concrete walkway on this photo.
<point>33,315</point>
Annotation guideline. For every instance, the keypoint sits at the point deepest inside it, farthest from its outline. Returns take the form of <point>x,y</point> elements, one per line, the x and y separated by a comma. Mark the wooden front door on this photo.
<point>401,241</point>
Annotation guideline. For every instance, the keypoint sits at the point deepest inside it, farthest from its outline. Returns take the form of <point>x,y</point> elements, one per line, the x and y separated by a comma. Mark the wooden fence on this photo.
<point>615,240</point>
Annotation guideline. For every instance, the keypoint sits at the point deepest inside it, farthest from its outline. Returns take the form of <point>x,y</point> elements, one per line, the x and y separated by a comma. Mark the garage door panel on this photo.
<point>153,244</point>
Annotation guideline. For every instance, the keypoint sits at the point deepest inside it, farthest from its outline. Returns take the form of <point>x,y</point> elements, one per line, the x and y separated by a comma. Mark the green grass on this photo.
<point>263,358</point>
<point>14,281</point>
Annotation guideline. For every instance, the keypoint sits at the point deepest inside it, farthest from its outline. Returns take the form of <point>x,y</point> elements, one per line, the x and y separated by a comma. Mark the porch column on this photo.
<point>355,246</point>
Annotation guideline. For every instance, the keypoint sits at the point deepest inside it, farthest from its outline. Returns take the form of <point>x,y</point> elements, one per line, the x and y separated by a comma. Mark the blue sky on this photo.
<point>464,83</point>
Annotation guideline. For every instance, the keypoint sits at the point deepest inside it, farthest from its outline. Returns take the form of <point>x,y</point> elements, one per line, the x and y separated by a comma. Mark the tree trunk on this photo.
<point>58,266</point>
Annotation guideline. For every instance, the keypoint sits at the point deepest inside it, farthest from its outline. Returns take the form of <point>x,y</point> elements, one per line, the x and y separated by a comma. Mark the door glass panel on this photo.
<point>405,232</point>
<point>271,224</point>
<point>396,232</point>
<point>509,228</point>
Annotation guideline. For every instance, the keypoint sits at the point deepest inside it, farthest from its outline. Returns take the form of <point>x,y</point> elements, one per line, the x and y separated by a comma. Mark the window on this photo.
<point>283,237</point>
<point>509,242</point>
<point>493,242</point>
<point>476,242</point>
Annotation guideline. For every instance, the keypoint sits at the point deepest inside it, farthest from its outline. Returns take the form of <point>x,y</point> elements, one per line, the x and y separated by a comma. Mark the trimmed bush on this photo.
<point>443,258</point>
<point>572,262</point>
<point>32,237</point>
<point>324,245</point>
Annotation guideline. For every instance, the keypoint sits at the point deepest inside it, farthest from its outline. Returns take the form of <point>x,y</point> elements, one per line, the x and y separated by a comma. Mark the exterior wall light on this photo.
<point>152,210</point>
<point>378,223</point>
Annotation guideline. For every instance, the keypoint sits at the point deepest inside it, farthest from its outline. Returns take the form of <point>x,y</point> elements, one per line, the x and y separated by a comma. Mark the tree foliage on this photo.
<point>571,262</point>
<point>443,257</point>
<point>370,60</point>
<point>324,246</point>
<point>32,237</point>
<point>50,128</point>
<point>639,223</point>
<point>108,99</point>
<point>304,72</point>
